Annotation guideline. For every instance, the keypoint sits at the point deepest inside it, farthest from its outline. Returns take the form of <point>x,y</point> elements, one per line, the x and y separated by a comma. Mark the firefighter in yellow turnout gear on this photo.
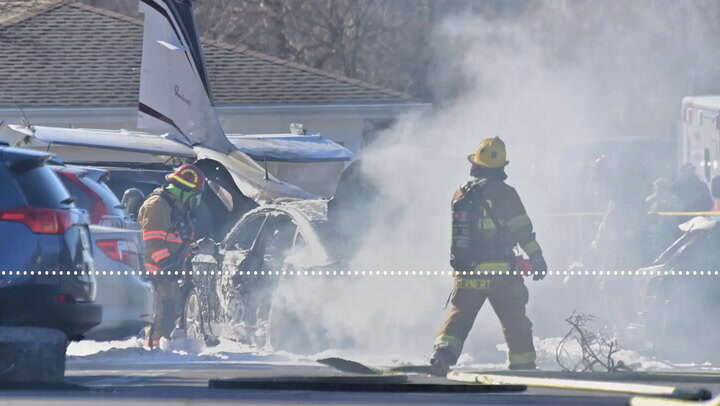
<point>167,233</point>
<point>488,222</point>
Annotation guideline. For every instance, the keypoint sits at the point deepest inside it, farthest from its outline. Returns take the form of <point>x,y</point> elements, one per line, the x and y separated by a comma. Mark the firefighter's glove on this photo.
<point>539,266</point>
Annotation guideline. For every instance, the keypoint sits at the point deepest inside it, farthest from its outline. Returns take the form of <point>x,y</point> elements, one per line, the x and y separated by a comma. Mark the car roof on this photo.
<point>308,216</point>
<point>313,210</point>
<point>13,155</point>
<point>94,173</point>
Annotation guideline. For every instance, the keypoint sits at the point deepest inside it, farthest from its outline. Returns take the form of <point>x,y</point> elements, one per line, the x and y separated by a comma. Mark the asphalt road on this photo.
<point>115,383</point>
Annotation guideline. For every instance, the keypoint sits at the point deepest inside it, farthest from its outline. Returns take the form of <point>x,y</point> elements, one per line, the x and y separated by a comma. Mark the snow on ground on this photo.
<point>546,349</point>
<point>88,347</point>
<point>131,351</point>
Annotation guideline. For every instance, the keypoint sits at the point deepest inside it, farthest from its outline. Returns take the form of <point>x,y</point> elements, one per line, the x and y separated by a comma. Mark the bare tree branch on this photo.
<point>597,350</point>
<point>382,41</point>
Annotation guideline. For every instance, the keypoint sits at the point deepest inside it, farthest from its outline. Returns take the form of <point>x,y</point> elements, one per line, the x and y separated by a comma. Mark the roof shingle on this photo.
<point>71,54</point>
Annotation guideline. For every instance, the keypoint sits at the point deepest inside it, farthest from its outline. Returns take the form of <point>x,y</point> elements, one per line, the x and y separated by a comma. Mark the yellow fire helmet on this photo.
<point>490,154</point>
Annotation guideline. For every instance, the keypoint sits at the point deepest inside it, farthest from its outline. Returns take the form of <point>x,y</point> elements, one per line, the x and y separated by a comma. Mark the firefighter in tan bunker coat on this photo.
<point>168,232</point>
<point>488,222</point>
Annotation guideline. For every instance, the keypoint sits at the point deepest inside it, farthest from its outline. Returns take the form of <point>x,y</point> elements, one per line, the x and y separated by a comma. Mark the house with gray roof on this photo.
<point>68,64</point>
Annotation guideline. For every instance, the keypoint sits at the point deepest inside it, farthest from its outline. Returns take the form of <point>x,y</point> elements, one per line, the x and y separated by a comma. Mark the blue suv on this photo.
<point>46,265</point>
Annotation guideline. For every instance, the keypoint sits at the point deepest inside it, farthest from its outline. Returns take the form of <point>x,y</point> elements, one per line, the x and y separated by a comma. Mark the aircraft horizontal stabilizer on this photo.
<point>290,148</point>
<point>119,140</point>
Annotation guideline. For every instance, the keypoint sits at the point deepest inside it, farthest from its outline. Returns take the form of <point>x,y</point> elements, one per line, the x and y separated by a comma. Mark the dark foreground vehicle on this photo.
<point>686,300</point>
<point>42,233</point>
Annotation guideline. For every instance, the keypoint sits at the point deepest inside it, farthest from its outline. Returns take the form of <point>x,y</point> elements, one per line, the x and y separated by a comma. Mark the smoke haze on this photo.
<point>548,79</point>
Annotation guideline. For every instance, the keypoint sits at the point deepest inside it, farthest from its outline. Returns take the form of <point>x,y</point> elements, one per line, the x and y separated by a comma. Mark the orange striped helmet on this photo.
<point>188,178</point>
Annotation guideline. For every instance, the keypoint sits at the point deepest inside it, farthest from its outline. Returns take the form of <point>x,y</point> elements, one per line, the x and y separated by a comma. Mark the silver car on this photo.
<point>127,300</point>
<point>117,244</point>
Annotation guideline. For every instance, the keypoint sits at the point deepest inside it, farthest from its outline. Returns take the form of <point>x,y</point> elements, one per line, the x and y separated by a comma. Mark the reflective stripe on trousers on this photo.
<point>488,268</point>
<point>508,297</point>
<point>479,284</point>
<point>522,358</point>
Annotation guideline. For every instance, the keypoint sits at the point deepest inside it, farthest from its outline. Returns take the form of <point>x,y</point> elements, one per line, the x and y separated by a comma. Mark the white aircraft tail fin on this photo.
<point>175,95</point>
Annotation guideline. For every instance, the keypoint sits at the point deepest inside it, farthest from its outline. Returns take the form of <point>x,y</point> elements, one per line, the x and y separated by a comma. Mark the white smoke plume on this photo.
<point>545,79</point>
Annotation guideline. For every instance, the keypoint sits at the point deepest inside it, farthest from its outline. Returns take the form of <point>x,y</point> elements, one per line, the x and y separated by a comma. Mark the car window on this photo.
<point>80,195</point>
<point>222,194</point>
<point>280,232</point>
<point>109,199</point>
<point>248,231</point>
<point>278,235</point>
<point>9,193</point>
<point>42,188</point>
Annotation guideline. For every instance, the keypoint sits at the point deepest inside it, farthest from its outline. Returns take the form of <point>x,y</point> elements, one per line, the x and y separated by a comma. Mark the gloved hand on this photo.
<point>539,267</point>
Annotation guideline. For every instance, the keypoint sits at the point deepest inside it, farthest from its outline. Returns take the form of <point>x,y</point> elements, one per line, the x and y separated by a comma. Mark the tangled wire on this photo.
<point>597,350</point>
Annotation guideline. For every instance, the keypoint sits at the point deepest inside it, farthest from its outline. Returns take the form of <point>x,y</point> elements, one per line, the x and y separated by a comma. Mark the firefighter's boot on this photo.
<point>440,362</point>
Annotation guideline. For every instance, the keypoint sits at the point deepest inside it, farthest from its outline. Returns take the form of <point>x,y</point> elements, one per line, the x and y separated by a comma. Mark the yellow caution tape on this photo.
<point>577,214</point>
<point>569,384</point>
<point>648,401</point>
<point>687,213</point>
<point>661,213</point>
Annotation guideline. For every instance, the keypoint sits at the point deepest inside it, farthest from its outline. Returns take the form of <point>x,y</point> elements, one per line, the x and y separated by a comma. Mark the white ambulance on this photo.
<point>700,138</point>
